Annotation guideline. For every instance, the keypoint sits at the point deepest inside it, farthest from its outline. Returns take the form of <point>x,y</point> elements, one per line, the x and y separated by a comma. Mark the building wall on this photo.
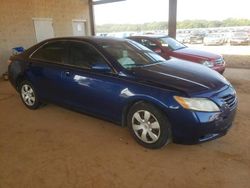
<point>17,27</point>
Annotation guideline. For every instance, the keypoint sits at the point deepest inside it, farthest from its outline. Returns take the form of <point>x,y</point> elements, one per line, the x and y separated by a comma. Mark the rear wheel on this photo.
<point>148,125</point>
<point>28,95</point>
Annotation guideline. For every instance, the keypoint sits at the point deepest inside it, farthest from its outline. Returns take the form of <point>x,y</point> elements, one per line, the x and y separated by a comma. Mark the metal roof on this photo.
<point>99,2</point>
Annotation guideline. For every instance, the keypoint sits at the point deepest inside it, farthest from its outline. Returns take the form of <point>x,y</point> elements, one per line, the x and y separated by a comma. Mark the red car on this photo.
<point>168,47</point>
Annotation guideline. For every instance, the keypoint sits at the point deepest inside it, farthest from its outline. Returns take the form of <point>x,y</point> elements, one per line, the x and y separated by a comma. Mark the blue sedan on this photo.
<point>120,80</point>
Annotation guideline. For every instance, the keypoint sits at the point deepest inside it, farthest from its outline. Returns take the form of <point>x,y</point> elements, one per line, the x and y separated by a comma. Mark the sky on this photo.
<point>143,11</point>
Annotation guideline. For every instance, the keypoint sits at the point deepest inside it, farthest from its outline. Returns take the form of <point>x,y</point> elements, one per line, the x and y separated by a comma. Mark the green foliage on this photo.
<point>230,22</point>
<point>131,27</point>
<point>238,22</point>
<point>186,24</point>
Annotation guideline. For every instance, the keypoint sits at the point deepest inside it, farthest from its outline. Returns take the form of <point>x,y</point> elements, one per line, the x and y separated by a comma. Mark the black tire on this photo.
<point>28,95</point>
<point>148,125</point>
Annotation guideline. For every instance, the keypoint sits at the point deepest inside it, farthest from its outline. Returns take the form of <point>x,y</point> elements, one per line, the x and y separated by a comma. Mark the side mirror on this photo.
<point>158,50</point>
<point>101,67</point>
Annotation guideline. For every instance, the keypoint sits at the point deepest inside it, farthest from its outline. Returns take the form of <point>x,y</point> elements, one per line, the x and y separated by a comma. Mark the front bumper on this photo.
<point>239,42</point>
<point>205,129</point>
<point>219,69</point>
<point>196,127</point>
<point>213,42</point>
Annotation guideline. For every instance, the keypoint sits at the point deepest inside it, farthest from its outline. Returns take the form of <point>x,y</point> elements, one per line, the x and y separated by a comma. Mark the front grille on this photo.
<point>230,100</point>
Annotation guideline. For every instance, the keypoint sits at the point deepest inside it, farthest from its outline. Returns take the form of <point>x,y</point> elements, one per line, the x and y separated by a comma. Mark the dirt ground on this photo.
<point>237,61</point>
<point>54,147</point>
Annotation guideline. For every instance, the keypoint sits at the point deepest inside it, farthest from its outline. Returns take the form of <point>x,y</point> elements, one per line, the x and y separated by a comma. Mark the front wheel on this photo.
<point>149,125</point>
<point>28,95</point>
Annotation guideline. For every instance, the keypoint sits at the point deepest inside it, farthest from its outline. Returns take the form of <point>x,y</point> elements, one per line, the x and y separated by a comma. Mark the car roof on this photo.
<point>149,36</point>
<point>91,39</point>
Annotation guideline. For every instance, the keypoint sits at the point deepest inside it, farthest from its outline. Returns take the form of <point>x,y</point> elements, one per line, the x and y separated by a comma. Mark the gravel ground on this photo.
<point>56,147</point>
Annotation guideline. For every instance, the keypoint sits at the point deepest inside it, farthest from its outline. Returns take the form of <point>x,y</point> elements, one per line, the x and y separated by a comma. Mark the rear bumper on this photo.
<point>10,76</point>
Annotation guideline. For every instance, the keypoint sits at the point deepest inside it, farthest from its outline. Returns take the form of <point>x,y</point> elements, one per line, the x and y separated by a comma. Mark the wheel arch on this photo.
<point>158,104</point>
<point>20,78</point>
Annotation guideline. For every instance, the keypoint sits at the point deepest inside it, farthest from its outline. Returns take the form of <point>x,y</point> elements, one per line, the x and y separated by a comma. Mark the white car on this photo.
<point>214,39</point>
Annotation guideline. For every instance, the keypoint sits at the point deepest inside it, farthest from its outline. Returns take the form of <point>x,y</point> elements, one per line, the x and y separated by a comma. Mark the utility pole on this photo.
<point>91,18</point>
<point>172,18</point>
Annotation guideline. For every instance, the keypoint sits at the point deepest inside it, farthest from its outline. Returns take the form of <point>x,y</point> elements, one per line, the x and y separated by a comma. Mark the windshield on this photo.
<point>130,54</point>
<point>171,43</point>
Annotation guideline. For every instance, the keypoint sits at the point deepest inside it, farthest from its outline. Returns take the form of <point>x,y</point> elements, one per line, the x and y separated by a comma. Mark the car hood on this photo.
<point>183,76</point>
<point>202,55</point>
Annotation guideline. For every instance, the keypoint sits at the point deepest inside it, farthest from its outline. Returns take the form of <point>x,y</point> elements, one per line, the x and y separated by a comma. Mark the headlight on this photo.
<point>208,64</point>
<point>198,104</point>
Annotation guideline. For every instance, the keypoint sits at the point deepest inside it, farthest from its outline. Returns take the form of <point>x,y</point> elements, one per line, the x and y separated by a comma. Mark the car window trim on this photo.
<point>98,51</point>
<point>113,70</point>
<point>48,61</point>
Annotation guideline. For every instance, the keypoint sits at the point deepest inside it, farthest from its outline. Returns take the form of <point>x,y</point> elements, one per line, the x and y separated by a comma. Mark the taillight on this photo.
<point>9,62</point>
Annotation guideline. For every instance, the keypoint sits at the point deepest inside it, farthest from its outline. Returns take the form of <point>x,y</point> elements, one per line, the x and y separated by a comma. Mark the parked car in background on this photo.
<point>120,80</point>
<point>239,38</point>
<point>214,39</point>
<point>168,47</point>
<point>196,37</point>
<point>183,38</point>
<point>248,33</point>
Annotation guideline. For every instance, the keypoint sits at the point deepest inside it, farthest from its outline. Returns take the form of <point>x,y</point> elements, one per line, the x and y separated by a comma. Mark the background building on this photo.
<point>24,23</point>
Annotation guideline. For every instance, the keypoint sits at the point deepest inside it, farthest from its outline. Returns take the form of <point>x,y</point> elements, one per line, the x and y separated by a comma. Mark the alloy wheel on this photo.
<point>28,95</point>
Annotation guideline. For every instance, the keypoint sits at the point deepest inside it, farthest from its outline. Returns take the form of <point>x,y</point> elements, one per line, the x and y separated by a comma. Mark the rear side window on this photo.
<point>52,52</point>
<point>85,56</point>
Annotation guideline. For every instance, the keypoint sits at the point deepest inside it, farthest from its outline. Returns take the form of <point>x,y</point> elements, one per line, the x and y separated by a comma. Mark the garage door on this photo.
<point>43,28</point>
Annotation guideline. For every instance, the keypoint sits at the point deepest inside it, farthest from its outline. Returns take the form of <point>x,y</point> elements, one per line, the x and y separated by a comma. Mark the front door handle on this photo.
<point>67,73</point>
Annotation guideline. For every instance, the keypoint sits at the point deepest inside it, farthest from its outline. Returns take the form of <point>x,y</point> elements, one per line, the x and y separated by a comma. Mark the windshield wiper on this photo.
<point>159,61</point>
<point>180,48</point>
<point>133,65</point>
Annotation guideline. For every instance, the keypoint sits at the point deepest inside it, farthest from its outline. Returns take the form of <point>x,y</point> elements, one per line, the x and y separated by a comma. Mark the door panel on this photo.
<point>96,93</point>
<point>47,79</point>
<point>46,67</point>
<point>87,89</point>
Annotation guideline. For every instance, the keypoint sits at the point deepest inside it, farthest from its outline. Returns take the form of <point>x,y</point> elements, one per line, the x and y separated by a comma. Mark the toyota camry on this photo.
<point>122,81</point>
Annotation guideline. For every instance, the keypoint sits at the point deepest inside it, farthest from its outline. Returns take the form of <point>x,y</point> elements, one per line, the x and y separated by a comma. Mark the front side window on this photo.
<point>52,52</point>
<point>85,56</point>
